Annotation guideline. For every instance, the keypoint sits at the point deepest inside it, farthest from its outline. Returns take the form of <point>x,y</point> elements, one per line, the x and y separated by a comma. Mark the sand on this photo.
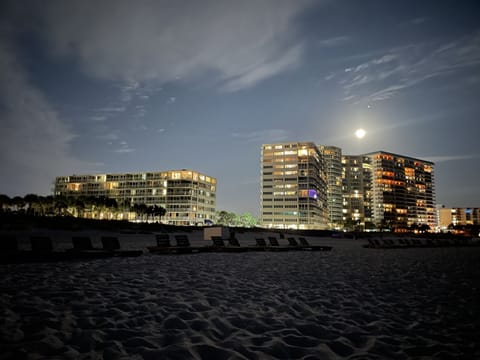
<point>350,303</point>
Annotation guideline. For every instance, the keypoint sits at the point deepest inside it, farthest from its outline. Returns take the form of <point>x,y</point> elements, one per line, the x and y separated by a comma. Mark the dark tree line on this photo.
<point>58,205</point>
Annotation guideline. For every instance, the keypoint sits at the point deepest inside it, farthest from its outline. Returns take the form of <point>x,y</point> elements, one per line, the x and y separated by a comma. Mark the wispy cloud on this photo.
<point>263,136</point>
<point>384,76</point>
<point>335,41</point>
<point>124,148</point>
<point>243,42</point>
<point>445,158</point>
<point>34,141</point>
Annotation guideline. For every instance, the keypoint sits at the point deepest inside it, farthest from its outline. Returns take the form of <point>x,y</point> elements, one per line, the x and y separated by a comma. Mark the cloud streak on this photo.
<point>445,158</point>
<point>263,136</point>
<point>400,68</point>
<point>243,42</point>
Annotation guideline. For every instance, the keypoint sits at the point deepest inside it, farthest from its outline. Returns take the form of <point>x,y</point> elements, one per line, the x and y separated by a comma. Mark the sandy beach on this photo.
<point>350,303</point>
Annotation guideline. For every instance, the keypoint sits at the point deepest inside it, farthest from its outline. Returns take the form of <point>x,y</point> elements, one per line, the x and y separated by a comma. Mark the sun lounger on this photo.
<point>306,245</point>
<point>182,245</point>
<point>260,244</point>
<point>163,244</point>
<point>220,246</point>
<point>274,245</point>
<point>83,249</point>
<point>112,245</point>
<point>292,242</point>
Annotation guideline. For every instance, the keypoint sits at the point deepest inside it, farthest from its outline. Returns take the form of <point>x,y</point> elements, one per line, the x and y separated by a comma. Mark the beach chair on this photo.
<point>260,244</point>
<point>306,245</point>
<point>371,244</point>
<point>274,245</point>
<point>233,245</point>
<point>112,245</point>
<point>163,240</point>
<point>233,241</point>
<point>163,244</point>
<point>273,241</point>
<point>292,242</point>
<point>182,241</point>
<point>218,241</point>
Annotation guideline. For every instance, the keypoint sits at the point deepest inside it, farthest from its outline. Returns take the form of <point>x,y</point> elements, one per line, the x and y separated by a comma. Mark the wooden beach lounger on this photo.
<point>112,245</point>
<point>274,245</point>
<point>233,245</point>
<point>306,246</point>
<point>182,245</point>
<point>83,249</point>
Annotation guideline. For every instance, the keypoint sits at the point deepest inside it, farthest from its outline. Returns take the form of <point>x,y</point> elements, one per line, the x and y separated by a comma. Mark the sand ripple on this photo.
<point>351,303</point>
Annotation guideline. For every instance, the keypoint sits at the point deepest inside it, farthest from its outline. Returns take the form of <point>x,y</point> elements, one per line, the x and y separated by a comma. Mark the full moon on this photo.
<point>360,133</point>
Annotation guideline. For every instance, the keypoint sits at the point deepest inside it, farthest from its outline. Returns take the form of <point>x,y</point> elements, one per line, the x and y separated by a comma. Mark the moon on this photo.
<point>360,133</point>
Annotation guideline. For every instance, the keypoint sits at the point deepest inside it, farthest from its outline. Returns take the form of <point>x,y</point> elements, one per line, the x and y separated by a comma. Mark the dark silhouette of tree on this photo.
<point>5,203</point>
<point>33,204</point>
<point>19,204</point>
<point>157,211</point>
<point>140,210</point>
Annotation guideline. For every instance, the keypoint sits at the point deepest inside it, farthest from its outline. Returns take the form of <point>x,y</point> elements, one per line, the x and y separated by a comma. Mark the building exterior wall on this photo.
<point>294,187</point>
<point>332,156</point>
<point>403,190</point>
<point>357,191</point>
<point>457,216</point>
<point>188,197</point>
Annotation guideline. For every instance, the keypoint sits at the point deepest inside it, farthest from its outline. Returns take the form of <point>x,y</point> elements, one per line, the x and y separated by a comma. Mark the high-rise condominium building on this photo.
<point>307,186</point>
<point>332,156</point>
<point>294,188</point>
<point>357,191</point>
<point>188,197</point>
<point>403,190</point>
<point>457,216</point>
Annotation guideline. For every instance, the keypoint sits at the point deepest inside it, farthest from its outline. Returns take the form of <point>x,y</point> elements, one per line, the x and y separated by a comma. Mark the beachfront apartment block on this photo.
<point>308,186</point>
<point>294,186</point>
<point>402,190</point>
<point>332,156</point>
<point>356,192</point>
<point>457,216</point>
<point>189,197</point>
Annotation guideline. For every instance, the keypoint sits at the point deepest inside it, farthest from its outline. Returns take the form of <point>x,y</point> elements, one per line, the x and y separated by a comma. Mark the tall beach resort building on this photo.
<point>332,156</point>
<point>403,190</point>
<point>293,186</point>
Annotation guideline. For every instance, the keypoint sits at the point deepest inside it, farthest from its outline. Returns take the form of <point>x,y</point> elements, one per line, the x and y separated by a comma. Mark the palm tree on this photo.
<point>60,205</point>
<point>19,203</point>
<point>5,203</point>
<point>140,210</point>
<point>157,210</point>
<point>32,201</point>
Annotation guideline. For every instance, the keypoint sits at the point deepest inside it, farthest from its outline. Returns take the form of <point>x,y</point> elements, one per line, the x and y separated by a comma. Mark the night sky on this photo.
<point>131,86</point>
